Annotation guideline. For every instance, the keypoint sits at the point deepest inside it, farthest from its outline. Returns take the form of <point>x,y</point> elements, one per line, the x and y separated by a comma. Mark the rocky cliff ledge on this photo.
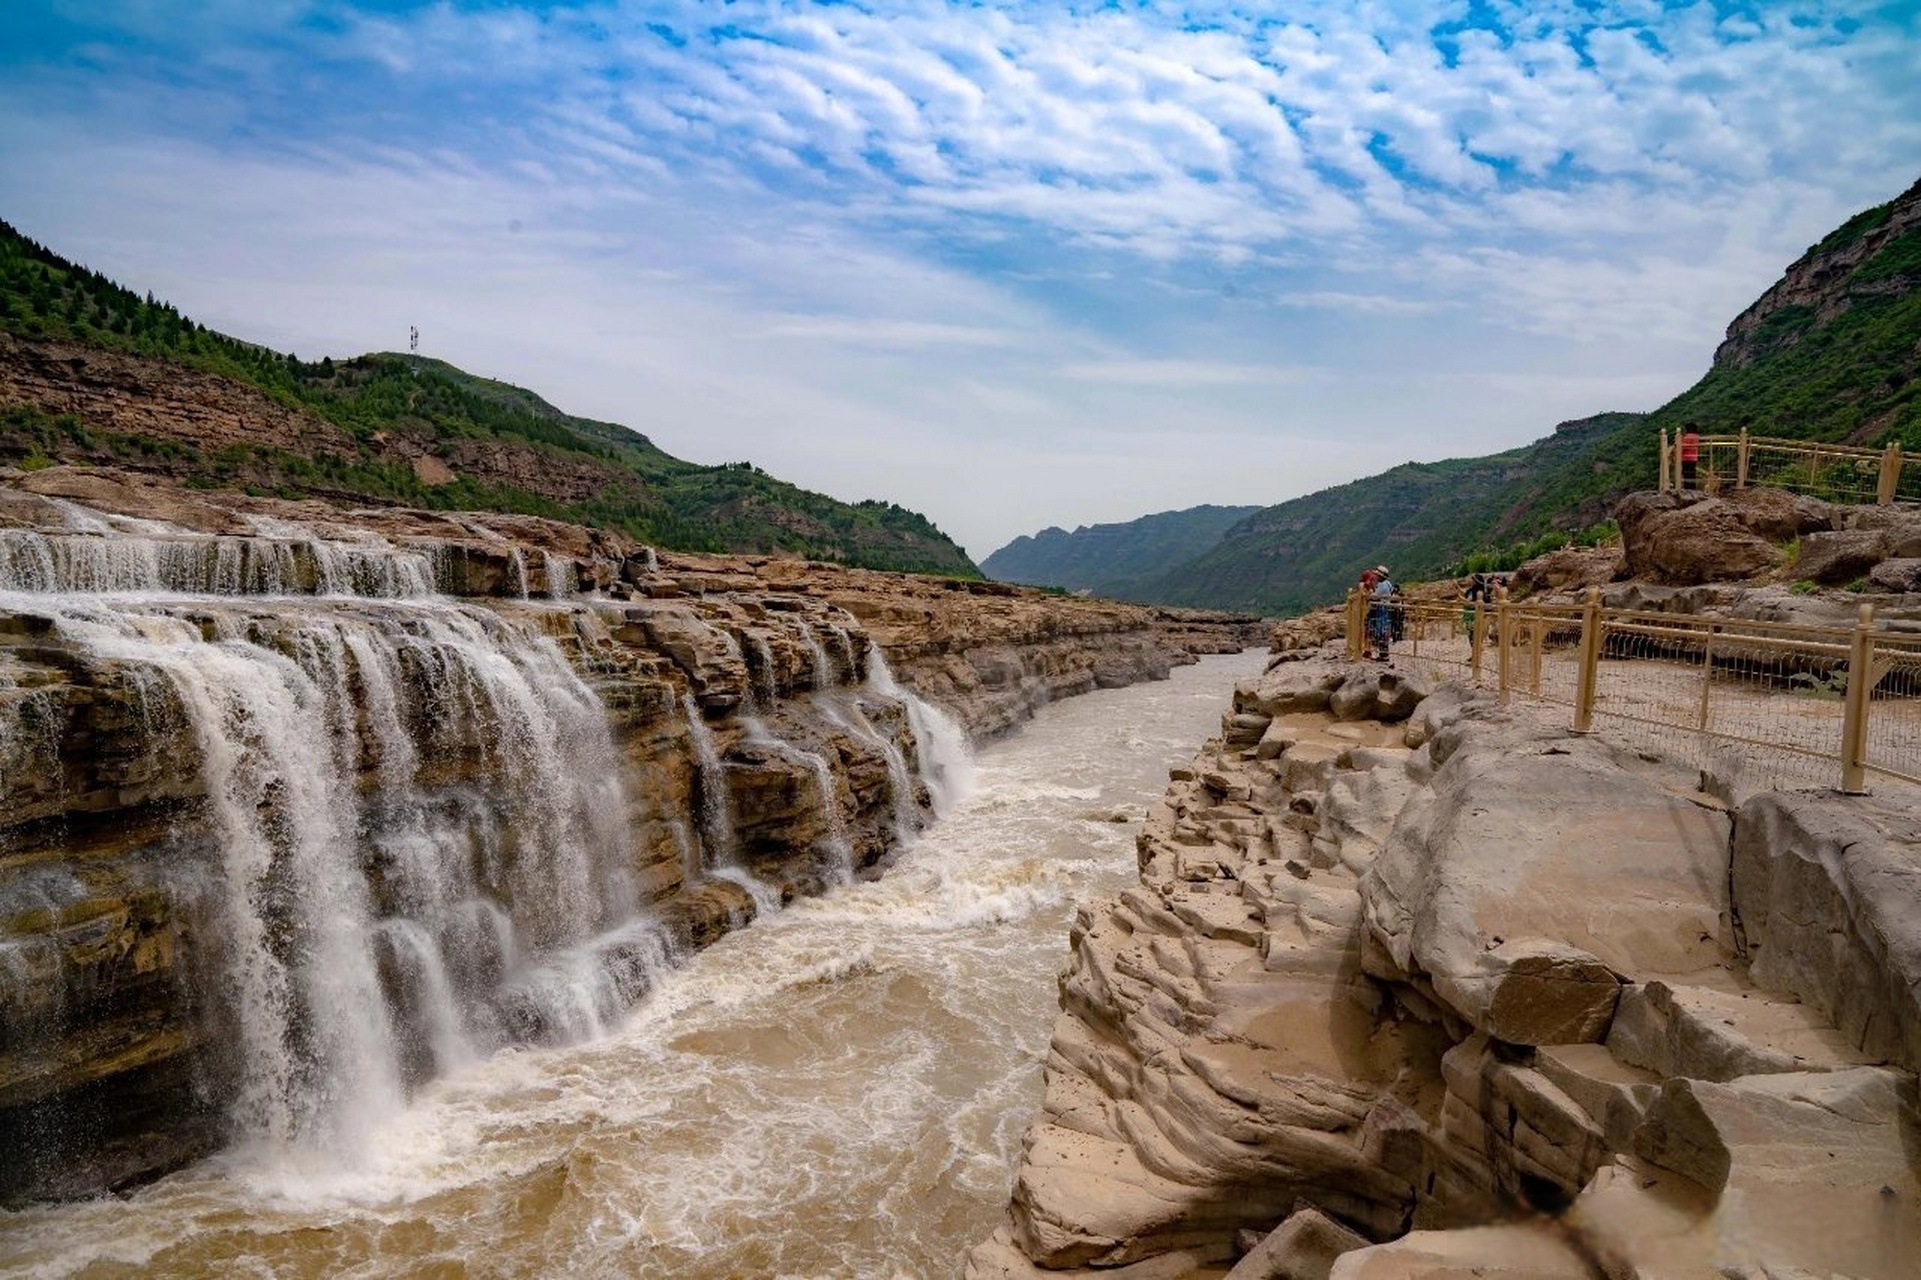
<point>1415,987</point>
<point>989,653</point>
<point>300,807</point>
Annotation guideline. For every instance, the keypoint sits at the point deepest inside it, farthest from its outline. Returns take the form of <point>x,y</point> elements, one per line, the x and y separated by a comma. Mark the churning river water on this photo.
<point>839,1090</point>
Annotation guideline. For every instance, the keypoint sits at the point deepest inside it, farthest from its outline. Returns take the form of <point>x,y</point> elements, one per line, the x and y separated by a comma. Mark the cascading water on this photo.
<point>55,562</point>
<point>839,1091</point>
<point>760,672</point>
<point>517,565</point>
<point>899,780</point>
<point>562,579</point>
<point>823,666</point>
<point>835,844</point>
<point>940,743</point>
<point>368,936</point>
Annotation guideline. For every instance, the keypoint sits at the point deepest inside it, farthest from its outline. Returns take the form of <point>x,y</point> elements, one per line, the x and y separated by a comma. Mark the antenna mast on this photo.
<point>413,345</point>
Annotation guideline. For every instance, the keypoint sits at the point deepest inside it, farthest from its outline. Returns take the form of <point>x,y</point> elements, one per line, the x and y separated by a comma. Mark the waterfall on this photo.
<point>716,803</point>
<point>823,666</point>
<point>689,851</point>
<point>900,781</point>
<point>946,762</point>
<point>838,847</point>
<point>370,936</point>
<point>56,562</point>
<point>563,581</point>
<point>845,643</point>
<point>90,554</point>
<point>765,689</point>
<point>517,563</point>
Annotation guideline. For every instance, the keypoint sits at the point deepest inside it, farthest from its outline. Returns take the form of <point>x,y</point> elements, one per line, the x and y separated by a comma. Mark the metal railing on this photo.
<point>1836,472</point>
<point>1799,704</point>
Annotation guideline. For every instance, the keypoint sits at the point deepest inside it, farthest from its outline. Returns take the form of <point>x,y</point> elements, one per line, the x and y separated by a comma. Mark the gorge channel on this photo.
<point>838,1090</point>
<point>313,824</point>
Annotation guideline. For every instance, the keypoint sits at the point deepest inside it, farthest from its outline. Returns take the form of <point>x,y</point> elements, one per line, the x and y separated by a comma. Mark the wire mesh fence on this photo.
<point>1772,695</point>
<point>1891,743</point>
<point>1834,472</point>
<point>1791,705</point>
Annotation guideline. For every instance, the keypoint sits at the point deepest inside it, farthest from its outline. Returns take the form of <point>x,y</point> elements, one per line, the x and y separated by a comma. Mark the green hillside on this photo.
<point>510,449</point>
<point>1416,517</point>
<point>1112,559</point>
<point>1831,352</point>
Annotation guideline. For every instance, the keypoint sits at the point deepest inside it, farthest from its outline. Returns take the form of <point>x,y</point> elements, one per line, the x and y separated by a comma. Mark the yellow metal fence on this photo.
<point>1800,705</point>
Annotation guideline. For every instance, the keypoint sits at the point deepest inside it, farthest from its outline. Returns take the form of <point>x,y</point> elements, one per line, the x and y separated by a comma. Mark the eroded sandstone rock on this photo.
<point>1827,894</point>
<point>1501,966</point>
<point>1536,873</point>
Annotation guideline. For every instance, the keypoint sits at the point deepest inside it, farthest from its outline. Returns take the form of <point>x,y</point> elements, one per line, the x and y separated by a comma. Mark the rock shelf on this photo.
<point>1412,987</point>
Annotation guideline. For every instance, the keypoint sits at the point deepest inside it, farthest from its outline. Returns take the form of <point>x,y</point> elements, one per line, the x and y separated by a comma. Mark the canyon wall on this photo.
<point>1416,986</point>
<point>300,808</point>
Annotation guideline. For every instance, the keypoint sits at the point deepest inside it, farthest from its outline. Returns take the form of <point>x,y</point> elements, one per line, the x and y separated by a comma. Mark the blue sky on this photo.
<point>1010,264</point>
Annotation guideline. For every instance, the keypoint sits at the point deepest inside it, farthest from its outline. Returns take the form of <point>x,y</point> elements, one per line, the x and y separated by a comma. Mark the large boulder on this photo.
<point>1841,556</point>
<point>1684,539</point>
<point>1902,575</point>
<point>1777,514</point>
<point>1569,569</point>
<point>1776,1175</point>
<point>1533,875</point>
<point>1305,1247</point>
<point>1827,891</point>
<point>1369,693</point>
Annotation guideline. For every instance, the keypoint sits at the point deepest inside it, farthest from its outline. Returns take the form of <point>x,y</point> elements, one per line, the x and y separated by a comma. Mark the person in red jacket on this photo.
<point>1690,454</point>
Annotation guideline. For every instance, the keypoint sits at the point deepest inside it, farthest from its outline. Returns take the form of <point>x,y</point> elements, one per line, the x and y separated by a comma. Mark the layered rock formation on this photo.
<point>1422,988</point>
<point>300,807</point>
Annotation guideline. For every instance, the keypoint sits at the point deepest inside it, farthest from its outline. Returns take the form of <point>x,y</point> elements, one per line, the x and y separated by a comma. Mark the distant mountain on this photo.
<point>1113,559</point>
<point>1831,352</point>
<point>92,372</point>
<point>1416,518</point>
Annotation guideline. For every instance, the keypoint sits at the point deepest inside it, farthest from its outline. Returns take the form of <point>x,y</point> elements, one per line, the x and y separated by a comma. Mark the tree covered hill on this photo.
<point>1110,559</point>
<point>93,372</point>
<point>1831,352</point>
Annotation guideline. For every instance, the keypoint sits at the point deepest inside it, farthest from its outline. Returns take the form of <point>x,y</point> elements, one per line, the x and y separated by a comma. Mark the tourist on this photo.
<point>1690,454</point>
<point>1476,594</point>
<point>1380,625</point>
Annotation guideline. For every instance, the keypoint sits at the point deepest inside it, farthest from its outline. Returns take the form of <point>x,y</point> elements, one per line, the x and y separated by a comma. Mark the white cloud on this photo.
<point>1013,265</point>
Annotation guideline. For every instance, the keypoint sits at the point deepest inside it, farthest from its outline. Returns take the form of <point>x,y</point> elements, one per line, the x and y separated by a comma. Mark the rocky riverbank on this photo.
<point>1412,986</point>
<point>267,766</point>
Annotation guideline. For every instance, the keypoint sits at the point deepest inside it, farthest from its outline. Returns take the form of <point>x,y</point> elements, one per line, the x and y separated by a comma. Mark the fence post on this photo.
<point>1741,462</point>
<point>1355,621</point>
<point>1502,638</point>
<point>1663,484</point>
<point>1478,636</point>
<point>1588,679</point>
<point>1854,721</point>
<point>1707,681</point>
<point>1890,474</point>
<point>1537,640</point>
